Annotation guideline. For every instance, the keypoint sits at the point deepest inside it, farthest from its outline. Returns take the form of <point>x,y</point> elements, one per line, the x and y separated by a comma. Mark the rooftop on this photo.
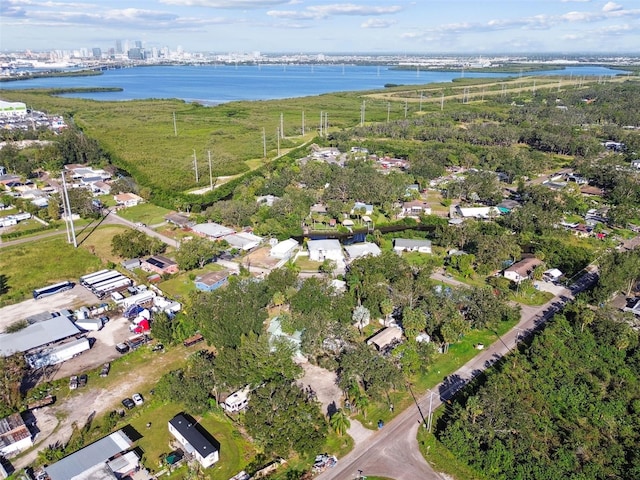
<point>36,335</point>
<point>88,457</point>
<point>195,434</point>
<point>214,230</point>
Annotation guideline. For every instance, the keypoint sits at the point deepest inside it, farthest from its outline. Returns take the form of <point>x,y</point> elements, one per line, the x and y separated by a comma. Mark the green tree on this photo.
<point>282,419</point>
<point>134,244</point>
<point>197,252</point>
<point>162,328</point>
<point>339,422</point>
<point>12,370</point>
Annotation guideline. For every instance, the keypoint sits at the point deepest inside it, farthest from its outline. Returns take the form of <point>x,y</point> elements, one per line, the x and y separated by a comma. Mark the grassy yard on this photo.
<point>235,451</point>
<point>146,213</point>
<point>36,264</point>
<point>307,265</point>
<point>181,285</point>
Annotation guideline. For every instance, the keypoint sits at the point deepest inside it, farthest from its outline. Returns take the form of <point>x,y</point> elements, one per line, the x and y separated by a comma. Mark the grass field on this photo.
<point>47,261</point>
<point>98,242</point>
<point>146,213</point>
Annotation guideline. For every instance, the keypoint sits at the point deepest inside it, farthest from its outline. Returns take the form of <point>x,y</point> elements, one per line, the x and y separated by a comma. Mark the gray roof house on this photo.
<point>36,335</point>
<point>411,245</point>
<point>90,458</point>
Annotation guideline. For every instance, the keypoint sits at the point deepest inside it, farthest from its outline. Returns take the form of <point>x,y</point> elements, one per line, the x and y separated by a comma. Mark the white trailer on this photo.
<point>89,324</point>
<point>102,278</point>
<point>117,278</point>
<point>87,278</point>
<point>57,354</point>
<point>138,299</point>
<point>110,287</point>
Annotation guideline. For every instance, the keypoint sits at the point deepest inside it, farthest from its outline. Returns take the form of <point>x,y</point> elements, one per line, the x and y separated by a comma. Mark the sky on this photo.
<point>312,26</point>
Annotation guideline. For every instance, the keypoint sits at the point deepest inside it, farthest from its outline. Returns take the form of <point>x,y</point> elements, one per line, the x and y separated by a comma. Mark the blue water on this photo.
<point>213,84</point>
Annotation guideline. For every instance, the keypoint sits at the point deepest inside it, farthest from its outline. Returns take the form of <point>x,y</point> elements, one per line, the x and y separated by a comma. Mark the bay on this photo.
<point>214,84</point>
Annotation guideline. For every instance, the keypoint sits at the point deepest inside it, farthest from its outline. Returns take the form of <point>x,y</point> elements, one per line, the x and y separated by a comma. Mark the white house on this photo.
<point>359,250</point>
<point>477,212</point>
<point>415,208</point>
<point>411,245</point>
<point>237,400</point>
<point>195,440</point>
<point>321,250</point>
<point>243,240</point>
<point>284,250</point>
<point>212,230</point>
<point>522,270</point>
<point>128,199</point>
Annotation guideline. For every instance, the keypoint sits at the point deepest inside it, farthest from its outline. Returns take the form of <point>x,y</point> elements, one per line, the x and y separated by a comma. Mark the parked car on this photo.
<point>157,348</point>
<point>137,399</point>
<point>140,224</point>
<point>105,369</point>
<point>73,382</point>
<point>82,380</point>
<point>128,403</point>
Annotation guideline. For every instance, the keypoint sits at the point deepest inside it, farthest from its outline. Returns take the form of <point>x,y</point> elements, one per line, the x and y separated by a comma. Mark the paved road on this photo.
<point>392,451</point>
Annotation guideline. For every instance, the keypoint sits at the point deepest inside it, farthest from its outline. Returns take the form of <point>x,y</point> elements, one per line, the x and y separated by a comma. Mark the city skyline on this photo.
<point>374,26</point>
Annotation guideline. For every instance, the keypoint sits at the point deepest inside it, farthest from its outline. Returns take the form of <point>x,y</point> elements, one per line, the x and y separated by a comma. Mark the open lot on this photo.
<point>71,299</point>
<point>260,258</point>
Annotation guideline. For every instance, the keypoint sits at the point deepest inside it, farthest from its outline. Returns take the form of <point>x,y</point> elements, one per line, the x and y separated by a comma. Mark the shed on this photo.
<point>14,435</point>
<point>385,338</point>
<point>552,275</point>
<point>285,249</point>
<point>131,264</point>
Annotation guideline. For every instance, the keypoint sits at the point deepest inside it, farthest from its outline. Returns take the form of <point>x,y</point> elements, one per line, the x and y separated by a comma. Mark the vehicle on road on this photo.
<point>137,399</point>
<point>128,403</point>
<point>52,289</point>
<point>105,369</point>
<point>140,224</point>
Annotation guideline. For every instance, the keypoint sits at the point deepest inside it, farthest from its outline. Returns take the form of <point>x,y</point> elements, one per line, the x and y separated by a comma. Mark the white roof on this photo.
<point>36,335</point>
<point>358,250</point>
<point>243,240</point>
<point>478,212</point>
<point>553,272</point>
<point>324,245</point>
<point>284,247</point>
<point>214,230</point>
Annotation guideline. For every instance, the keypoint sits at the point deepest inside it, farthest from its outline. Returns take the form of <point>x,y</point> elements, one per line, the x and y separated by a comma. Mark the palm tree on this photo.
<point>340,422</point>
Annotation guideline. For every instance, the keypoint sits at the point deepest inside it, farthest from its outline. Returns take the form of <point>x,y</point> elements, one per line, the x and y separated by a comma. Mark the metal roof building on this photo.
<point>89,457</point>
<point>36,335</point>
<point>212,230</point>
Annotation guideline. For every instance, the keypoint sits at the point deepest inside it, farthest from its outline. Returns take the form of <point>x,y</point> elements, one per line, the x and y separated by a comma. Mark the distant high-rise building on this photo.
<point>119,46</point>
<point>138,43</point>
<point>136,54</point>
<point>97,52</point>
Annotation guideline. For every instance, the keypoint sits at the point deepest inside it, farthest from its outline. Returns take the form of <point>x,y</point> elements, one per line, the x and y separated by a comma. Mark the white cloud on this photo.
<point>316,12</point>
<point>611,7</point>
<point>377,23</point>
<point>228,4</point>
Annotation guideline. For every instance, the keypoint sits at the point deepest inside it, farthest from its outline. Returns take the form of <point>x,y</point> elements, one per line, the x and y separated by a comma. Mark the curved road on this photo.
<point>393,451</point>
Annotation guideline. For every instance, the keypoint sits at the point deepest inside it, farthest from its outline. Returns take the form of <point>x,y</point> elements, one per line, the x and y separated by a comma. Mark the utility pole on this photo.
<point>281,125</point>
<point>430,415</point>
<point>278,135</point>
<point>442,102</point>
<point>210,172</point>
<point>264,143</point>
<point>362,113</point>
<point>195,164</point>
<point>406,107</point>
<point>326,123</point>
<point>321,122</point>
<point>421,97</point>
<point>303,123</point>
<point>388,111</point>
<point>65,212</point>
<point>69,213</point>
<point>175,128</point>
